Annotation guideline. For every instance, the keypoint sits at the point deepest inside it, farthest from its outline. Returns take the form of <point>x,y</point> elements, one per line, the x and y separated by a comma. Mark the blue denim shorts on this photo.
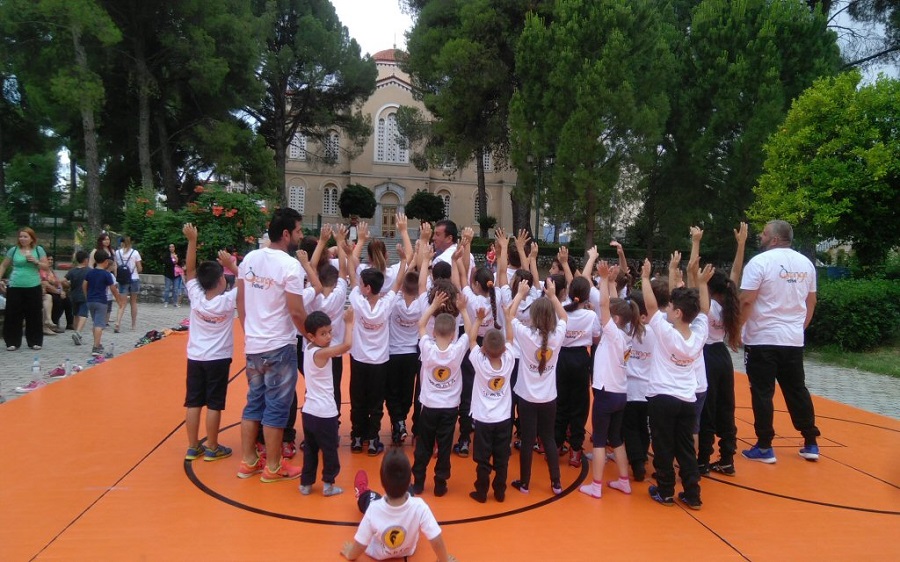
<point>133,288</point>
<point>271,382</point>
<point>97,311</point>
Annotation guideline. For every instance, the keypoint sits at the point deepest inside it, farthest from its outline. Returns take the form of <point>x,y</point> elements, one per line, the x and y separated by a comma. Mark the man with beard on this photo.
<point>270,307</point>
<point>778,298</point>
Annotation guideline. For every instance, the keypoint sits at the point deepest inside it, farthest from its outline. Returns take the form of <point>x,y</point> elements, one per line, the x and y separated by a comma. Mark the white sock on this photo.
<point>622,484</point>
<point>594,489</point>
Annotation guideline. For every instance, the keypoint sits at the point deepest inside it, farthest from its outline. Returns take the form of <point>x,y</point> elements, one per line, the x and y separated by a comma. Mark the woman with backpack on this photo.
<point>128,269</point>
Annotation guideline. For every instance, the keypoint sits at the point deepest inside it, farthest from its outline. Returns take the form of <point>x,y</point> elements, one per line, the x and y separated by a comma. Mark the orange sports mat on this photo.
<point>92,469</point>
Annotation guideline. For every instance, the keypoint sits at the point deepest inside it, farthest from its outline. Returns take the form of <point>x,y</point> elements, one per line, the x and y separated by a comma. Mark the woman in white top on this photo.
<point>127,256</point>
<point>535,387</point>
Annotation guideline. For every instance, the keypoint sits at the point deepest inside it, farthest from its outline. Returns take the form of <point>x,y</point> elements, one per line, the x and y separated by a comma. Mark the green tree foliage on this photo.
<point>425,206</point>
<point>833,168</point>
<point>357,200</point>
<point>594,93</point>
<point>739,64</point>
<point>844,314</point>
<point>31,178</point>
<point>313,75</point>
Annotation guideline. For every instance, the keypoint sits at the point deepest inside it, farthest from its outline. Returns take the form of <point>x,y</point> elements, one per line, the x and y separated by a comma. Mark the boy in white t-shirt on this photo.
<point>441,388</point>
<point>209,348</point>
<point>493,362</point>
<point>671,390</point>
<point>320,414</point>
<point>391,524</point>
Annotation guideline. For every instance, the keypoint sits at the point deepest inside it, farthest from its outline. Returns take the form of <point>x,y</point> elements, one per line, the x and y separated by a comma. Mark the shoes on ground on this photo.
<point>288,449</point>
<point>720,467</point>
<point>284,471</point>
<point>575,459</point>
<point>356,445</point>
<point>219,453</point>
<point>810,452</point>
<point>658,498</point>
<point>375,447</point>
<point>248,470</point>
<point>33,385</point>
<point>462,449</point>
<point>693,503</point>
<point>57,372</point>
<point>360,483</point>
<point>755,453</point>
<point>520,486</point>
<point>194,453</point>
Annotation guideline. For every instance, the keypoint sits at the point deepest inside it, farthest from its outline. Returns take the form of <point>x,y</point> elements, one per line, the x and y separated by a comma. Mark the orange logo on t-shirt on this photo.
<point>496,383</point>
<point>441,374</point>
<point>546,354</point>
<point>394,536</point>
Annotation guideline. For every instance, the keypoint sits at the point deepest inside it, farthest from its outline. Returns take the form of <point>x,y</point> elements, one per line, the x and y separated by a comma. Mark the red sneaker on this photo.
<point>361,483</point>
<point>288,449</point>
<point>575,459</point>
<point>284,471</point>
<point>248,470</point>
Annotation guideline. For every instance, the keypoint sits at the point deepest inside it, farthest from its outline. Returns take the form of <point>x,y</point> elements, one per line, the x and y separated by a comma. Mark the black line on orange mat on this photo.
<point>832,417</point>
<point>110,488</point>
<point>710,529</point>
<point>803,500</point>
<point>192,476</point>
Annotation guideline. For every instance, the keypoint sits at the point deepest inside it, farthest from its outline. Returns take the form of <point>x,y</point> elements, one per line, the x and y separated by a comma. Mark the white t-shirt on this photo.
<point>609,362</point>
<point>404,326</point>
<point>129,259</point>
<point>491,396</point>
<point>333,306</point>
<point>319,399</point>
<point>473,303</point>
<point>783,278</point>
<point>700,362</point>
<point>370,327</point>
<point>447,257</point>
<point>268,276</point>
<point>639,364</point>
<point>673,358</point>
<point>441,375</point>
<point>581,328</point>
<point>531,385</point>
<point>393,531</point>
<point>390,275</point>
<point>716,325</point>
<point>211,336</point>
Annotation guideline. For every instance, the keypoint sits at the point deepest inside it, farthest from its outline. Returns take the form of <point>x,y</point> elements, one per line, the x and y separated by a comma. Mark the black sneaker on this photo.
<point>356,445</point>
<point>639,472</point>
<point>520,486</point>
<point>375,447</point>
<point>462,449</point>
<point>722,468</point>
<point>440,488</point>
<point>499,496</point>
<point>395,435</point>
<point>401,428</point>
<point>416,489</point>
<point>703,468</point>
<point>478,497</point>
<point>692,503</point>
<point>655,496</point>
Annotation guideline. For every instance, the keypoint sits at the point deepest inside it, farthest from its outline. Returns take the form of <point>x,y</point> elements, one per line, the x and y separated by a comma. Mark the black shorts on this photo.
<point>207,383</point>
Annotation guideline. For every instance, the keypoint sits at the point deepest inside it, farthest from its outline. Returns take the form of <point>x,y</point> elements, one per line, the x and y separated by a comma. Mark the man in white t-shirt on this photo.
<point>270,307</point>
<point>778,298</point>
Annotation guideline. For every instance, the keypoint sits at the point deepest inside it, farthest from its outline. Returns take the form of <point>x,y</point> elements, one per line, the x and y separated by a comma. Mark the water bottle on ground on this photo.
<point>36,368</point>
<point>112,350</point>
<point>68,366</point>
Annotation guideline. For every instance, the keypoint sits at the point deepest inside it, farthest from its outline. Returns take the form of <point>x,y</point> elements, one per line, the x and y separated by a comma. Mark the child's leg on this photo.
<point>634,433</point>
<point>446,422</point>
<point>501,435</point>
<point>337,373</point>
<point>684,423</point>
<point>663,417</point>
<point>375,377</point>
<point>328,442</point>
<point>312,429</point>
<point>290,430</point>
<point>98,334</point>
<point>427,428</point>
<point>192,424</point>
<point>216,392</point>
<point>528,431</point>
<point>481,452</point>
<point>546,416</point>
<point>358,414</point>
<point>465,403</point>
<point>618,445</point>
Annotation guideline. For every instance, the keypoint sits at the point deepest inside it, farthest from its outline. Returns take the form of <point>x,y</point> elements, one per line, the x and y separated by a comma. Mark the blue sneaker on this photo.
<point>810,452</point>
<point>220,452</point>
<point>657,497</point>
<point>754,453</point>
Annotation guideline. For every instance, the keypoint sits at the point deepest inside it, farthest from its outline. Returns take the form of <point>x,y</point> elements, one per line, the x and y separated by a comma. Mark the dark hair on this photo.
<point>411,283</point>
<point>283,219</point>
<point>441,270</point>
<point>723,287</point>
<point>308,244</point>
<point>623,279</point>
<point>100,256</point>
<point>372,278</point>
<point>328,275</point>
<point>209,273</point>
<point>485,279</point>
<point>519,276</point>
<point>449,228</point>
<point>637,297</point>
<point>314,321</point>
<point>687,301</point>
<point>660,287</point>
<point>630,313</point>
<point>100,240</point>
<point>494,343</point>
<point>377,255</point>
<point>543,320</point>
<point>81,256</point>
<point>561,284</point>
<point>395,473</point>
<point>579,293</point>
<point>445,286</point>
<point>444,325</point>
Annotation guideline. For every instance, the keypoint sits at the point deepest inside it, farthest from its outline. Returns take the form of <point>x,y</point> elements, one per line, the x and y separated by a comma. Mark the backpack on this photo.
<point>123,274</point>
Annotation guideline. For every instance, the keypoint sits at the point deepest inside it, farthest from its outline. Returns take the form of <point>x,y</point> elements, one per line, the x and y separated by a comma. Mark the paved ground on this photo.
<point>875,393</point>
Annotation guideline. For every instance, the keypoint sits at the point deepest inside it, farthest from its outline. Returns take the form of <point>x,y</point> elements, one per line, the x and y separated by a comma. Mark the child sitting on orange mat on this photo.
<point>209,348</point>
<point>391,523</point>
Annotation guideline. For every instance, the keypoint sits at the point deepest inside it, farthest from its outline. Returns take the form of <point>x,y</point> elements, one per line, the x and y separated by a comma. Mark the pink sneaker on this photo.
<point>33,385</point>
<point>288,449</point>
<point>361,483</point>
<point>248,470</point>
<point>57,373</point>
<point>284,471</point>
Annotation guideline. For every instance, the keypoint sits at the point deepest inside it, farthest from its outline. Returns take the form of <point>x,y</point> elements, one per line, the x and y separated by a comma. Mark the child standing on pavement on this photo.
<point>320,414</point>
<point>209,348</point>
<point>95,283</point>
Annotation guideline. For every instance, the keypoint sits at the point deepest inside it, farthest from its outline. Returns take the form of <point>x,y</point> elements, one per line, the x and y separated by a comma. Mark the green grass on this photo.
<point>884,360</point>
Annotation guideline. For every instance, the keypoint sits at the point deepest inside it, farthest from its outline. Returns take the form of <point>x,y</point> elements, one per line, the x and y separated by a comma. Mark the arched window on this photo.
<point>297,198</point>
<point>477,206</point>
<point>297,149</point>
<point>330,200</point>
<point>333,147</point>
<point>488,161</point>
<point>445,196</point>
<point>388,145</point>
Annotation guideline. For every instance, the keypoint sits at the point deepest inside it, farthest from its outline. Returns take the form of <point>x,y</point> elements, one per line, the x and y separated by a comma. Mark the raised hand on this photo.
<point>303,257</point>
<point>696,234</point>
<point>707,273</point>
<point>401,221</point>
<point>549,287</point>
<point>326,232</point>
<point>348,315</point>
<point>190,232</point>
<point>740,233</point>
<point>362,232</point>
<point>615,244</point>
<point>675,260</point>
<point>226,259</point>
<point>646,269</point>
<point>562,255</point>
<point>425,232</point>
<point>340,233</point>
<point>461,301</point>
<point>592,253</point>
<point>521,239</point>
<point>467,235</point>
<point>602,269</point>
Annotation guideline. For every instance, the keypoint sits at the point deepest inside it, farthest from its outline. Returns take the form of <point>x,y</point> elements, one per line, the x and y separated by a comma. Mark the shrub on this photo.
<point>855,314</point>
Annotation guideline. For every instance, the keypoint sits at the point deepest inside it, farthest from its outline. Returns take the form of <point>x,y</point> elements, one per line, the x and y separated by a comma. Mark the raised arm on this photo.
<point>604,271</point>
<point>674,270</point>
<point>398,281</point>
<point>311,275</point>
<point>362,233</point>
<point>503,257</point>
<point>190,260</point>
<point>703,278</point>
<point>465,258</point>
<point>321,244</point>
<point>532,263</point>
<point>340,238</point>
<point>620,252</point>
<point>696,236</point>
<point>323,355</point>
<point>649,298</point>
<point>472,327</point>
<point>440,298</point>
<point>737,266</point>
<point>519,297</point>
<point>589,263</point>
<point>403,227</point>
<point>563,257</point>
<point>550,292</point>
<point>227,261</point>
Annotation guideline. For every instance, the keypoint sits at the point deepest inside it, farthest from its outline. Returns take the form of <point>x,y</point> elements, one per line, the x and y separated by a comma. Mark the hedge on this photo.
<point>855,314</point>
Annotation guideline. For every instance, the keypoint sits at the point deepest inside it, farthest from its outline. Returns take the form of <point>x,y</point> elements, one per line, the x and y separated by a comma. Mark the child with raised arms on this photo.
<point>320,414</point>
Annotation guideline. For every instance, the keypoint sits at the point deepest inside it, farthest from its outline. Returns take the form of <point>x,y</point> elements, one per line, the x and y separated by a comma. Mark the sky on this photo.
<point>375,24</point>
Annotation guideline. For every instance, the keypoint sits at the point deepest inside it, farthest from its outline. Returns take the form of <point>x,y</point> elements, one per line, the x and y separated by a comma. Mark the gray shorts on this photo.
<point>133,288</point>
<point>97,311</point>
